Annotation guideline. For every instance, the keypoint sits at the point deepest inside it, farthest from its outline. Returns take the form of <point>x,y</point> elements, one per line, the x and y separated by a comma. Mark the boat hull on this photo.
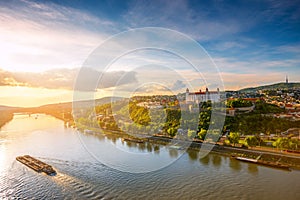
<point>266,163</point>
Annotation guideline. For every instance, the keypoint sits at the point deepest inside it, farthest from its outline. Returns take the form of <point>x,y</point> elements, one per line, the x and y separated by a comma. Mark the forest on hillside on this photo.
<point>131,117</point>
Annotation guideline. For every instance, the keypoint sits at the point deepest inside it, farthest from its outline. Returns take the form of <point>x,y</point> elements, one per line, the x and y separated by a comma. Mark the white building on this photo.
<point>198,97</point>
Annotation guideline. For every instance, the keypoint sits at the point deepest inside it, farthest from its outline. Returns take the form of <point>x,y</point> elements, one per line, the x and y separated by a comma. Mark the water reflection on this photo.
<point>117,140</point>
<point>142,146</point>
<point>252,168</point>
<point>130,144</point>
<point>173,153</point>
<point>149,147</point>
<point>205,160</point>
<point>216,160</point>
<point>193,155</point>
<point>114,140</point>
<point>100,137</point>
<point>156,149</point>
<point>235,164</point>
<point>111,137</point>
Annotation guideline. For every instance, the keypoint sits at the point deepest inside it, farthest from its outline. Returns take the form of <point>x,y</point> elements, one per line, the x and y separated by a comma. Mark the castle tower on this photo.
<point>187,93</point>
<point>286,79</point>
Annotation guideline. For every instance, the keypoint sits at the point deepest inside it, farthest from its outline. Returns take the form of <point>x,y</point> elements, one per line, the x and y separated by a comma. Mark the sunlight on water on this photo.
<point>2,157</point>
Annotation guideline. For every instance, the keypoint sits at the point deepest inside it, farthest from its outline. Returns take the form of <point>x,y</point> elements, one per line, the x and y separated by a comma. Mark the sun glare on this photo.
<point>31,97</point>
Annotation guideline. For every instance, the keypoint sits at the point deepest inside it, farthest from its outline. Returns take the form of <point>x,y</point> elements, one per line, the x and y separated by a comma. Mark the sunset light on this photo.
<point>150,99</point>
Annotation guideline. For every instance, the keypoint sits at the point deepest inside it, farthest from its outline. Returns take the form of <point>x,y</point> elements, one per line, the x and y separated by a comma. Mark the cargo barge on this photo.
<point>36,164</point>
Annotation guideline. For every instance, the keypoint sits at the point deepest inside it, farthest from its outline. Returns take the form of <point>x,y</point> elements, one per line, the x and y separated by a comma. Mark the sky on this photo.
<point>45,44</point>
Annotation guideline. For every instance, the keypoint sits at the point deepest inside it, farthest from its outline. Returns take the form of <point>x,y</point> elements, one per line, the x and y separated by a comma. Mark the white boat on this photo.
<point>247,159</point>
<point>176,147</point>
<point>87,131</point>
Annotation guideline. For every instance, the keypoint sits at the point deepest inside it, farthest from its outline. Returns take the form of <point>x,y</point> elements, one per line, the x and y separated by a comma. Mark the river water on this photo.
<point>82,175</point>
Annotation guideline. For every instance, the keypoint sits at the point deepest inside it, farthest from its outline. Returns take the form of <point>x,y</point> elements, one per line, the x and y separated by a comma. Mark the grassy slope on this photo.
<point>272,87</point>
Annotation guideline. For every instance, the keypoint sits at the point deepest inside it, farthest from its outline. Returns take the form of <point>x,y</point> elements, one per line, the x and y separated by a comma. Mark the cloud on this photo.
<point>257,65</point>
<point>287,11</point>
<point>195,20</point>
<point>178,85</point>
<point>237,73</point>
<point>38,36</point>
<point>52,79</point>
<point>228,45</point>
<point>144,89</point>
<point>294,48</point>
<point>42,36</point>
<point>52,15</point>
<point>236,82</point>
<point>87,80</point>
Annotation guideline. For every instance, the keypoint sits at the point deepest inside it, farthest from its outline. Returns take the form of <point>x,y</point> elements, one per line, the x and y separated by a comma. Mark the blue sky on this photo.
<point>251,42</point>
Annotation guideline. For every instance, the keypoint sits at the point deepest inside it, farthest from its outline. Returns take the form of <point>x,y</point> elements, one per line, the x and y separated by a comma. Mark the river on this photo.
<point>82,173</point>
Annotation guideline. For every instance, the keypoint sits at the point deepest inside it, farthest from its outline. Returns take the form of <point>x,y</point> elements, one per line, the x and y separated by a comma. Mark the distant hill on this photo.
<point>60,106</point>
<point>61,111</point>
<point>66,105</point>
<point>101,101</point>
<point>3,108</point>
<point>281,86</point>
<point>97,102</point>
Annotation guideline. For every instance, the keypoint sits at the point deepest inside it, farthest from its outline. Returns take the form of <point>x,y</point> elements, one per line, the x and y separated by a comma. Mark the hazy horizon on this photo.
<point>100,97</point>
<point>45,43</point>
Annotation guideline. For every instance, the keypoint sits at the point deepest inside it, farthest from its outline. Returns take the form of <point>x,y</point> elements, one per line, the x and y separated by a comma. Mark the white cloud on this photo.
<point>239,74</point>
<point>87,79</point>
<point>289,49</point>
<point>179,85</point>
<point>223,46</point>
<point>259,66</point>
<point>44,36</point>
<point>233,81</point>
<point>180,16</point>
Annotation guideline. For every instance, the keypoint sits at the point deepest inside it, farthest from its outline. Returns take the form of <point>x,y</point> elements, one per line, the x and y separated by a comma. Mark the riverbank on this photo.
<point>274,158</point>
<point>5,117</point>
<point>80,174</point>
<point>267,156</point>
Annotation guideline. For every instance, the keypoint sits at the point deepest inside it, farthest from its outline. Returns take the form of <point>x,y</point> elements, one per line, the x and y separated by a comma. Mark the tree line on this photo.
<point>174,120</point>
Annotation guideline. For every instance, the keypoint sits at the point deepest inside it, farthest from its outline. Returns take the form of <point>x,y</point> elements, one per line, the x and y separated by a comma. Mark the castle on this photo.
<point>198,97</point>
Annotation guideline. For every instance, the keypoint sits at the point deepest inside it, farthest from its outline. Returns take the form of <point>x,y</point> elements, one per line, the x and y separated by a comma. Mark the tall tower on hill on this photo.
<point>286,79</point>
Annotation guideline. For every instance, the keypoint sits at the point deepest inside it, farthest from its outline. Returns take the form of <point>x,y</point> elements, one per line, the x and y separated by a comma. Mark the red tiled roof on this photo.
<point>198,93</point>
<point>212,92</point>
<point>251,99</point>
